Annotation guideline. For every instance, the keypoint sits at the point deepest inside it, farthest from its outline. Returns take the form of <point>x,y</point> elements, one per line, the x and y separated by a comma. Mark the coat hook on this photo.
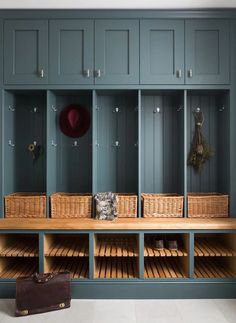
<point>116,144</point>
<point>221,109</point>
<point>197,110</point>
<point>75,144</point>
<point>53,143</point>
<point>116,110</point>
<point>179,109</point>
<point>11,108</point>
<point>54,108</point>
<point>157,110</point>
<point>35,109</point>
<point>10,143</point>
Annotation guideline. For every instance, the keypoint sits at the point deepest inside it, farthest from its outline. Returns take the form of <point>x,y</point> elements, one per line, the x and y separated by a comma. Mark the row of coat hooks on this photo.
<point>32,110</point>
<point>158,109</point>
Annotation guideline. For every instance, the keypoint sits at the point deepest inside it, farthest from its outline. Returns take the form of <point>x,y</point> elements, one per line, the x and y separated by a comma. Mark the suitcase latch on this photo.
<point>24,312</point>
<point>61,305</point>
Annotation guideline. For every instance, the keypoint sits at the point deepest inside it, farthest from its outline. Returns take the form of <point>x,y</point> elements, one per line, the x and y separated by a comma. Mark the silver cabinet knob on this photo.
<point>41,73</point>
<point>190,73</point>
<point>179,73</point>
<point>87,73</point>
<point>98,73</point>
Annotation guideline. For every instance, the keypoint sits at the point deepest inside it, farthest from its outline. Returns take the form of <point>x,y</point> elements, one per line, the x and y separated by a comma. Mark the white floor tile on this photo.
<point>130,311</point>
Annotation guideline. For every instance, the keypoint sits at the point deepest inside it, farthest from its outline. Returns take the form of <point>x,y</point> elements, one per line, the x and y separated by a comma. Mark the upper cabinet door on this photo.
<point>71,51</point>
<point>162,51</point>
<point>207,52</point>
<point>26,52</point>
<point>116,51</point>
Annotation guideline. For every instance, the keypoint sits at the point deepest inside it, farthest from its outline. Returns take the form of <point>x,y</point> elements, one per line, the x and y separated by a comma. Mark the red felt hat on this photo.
<point>74,121</point>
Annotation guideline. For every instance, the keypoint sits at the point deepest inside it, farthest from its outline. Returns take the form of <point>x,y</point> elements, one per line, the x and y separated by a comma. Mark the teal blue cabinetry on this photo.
<point>207,51</point>
<point>204,41</point>
<point>116,52</point>
<point>71,51</point>
<point>162,51</point>
<point>26,51</point>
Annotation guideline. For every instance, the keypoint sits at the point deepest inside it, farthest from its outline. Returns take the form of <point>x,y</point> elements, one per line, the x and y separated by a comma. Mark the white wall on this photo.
<point>149,4</point>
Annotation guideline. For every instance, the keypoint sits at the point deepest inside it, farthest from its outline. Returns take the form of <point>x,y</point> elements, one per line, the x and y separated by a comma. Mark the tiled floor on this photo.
<point>131,311</point>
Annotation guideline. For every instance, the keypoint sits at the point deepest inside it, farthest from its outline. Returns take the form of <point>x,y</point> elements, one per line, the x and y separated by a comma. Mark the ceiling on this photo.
<point>121,4</point>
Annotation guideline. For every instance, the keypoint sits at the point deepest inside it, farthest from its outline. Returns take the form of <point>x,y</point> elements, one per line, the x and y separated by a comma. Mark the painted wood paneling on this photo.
<point>26,51</point>
<point>23,126</point>
<point>117,123</point>
<point>162,51</point>
<point>74,163</point>
<point>162,142</point>
<point>207,51</point>
<point>71,51</point>
<point>214,176</point>
<point>117,51</point>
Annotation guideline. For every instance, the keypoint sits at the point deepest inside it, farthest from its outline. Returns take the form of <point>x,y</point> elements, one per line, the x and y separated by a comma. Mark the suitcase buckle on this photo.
<point>24,312</point>
<point>61,305</point>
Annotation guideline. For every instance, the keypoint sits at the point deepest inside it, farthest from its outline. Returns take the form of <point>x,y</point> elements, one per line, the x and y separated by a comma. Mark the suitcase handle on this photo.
<point>42,278</point>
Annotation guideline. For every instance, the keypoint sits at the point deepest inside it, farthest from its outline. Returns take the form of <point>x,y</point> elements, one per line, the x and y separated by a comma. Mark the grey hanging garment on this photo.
<point>106,206</point>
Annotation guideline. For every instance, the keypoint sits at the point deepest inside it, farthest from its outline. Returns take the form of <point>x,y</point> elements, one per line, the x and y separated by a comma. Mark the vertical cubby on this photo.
<point>116,256</point>
<point>67,252</point>
<point>162,141</point>
<point>215,255</point>
<point>166,263</point>
<point>215,174</point>
<point>19,255</point>
<point>116,140</point>
<point>24,123</point>
<point>69,159</point>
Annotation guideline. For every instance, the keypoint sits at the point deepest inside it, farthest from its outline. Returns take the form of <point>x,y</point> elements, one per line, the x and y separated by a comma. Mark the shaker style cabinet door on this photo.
<point>116,51</point>
<point>207,51</point>
<point>161,51</point>
<point>71,51</point>
<point>26,52</point>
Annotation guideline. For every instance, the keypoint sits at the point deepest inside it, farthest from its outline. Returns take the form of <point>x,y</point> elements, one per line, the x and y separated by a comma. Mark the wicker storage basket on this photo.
<point>127,205</point>
<point>162,205</point>
<point>25,205</point>
<point>208,205</point>
<point>71,205</point>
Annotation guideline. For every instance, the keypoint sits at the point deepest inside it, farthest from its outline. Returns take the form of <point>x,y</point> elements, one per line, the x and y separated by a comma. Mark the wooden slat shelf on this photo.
<point>116,247</point>
<point>208,247</point>
<point>67,247</point>
<point>162,268</point>
<point>119,224</point>
<point>116,267</point>
<point>17,268</point>
<point>150,251</point>
<point>78,267</point>
<point>21,248</point>
<point>210,268</point>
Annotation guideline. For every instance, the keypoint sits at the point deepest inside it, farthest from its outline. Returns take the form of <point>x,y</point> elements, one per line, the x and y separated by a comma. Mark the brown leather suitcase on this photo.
<point>42,293</point>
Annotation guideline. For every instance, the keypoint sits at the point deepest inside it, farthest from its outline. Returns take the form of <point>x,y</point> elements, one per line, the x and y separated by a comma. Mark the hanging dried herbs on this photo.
<point>200,151</point>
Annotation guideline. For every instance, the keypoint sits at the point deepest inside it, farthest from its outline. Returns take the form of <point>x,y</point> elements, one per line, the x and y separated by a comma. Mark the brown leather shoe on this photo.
<point>172,244</point>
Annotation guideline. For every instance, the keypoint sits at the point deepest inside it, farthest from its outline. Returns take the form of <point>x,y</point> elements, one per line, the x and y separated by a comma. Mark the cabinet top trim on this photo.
<point>119,224</point>
<point>125,13</point>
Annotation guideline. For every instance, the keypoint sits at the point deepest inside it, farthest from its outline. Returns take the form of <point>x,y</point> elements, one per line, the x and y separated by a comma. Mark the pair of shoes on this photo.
<point>170,244</point>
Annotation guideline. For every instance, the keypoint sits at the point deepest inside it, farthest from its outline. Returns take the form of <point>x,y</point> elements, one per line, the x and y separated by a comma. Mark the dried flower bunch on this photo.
<point>200,151</point>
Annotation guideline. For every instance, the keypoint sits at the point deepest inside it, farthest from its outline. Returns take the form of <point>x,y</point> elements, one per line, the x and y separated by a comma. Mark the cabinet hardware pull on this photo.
<point>87,73</point>
<point>179,73</point>
<point>98,73</point>
<point>41,73</point>
<point>190,73</point>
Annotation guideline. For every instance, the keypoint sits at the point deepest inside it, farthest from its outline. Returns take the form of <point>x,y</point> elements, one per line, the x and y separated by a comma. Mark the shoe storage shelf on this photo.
<point>141,76</point>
